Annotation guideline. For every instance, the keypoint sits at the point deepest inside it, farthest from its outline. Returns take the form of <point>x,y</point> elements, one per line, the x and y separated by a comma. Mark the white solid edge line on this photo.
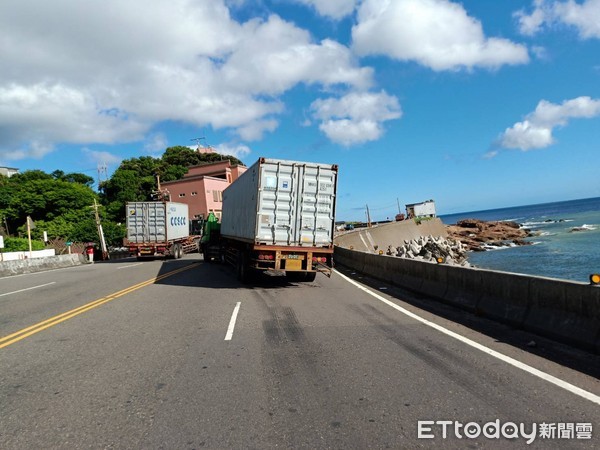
<point>507,359</point>
<point>130,265</point>
<point>229,334</point>
<point>27,289</point>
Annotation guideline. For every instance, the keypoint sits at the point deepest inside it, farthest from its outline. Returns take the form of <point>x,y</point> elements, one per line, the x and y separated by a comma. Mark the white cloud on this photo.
<point>435,33</point>
<point>156,143</point>
<point>33,149</point>
<point>356,117</point>
<point>585,17</point>
<point>99,157</point>
<point>237,150</point>
<point>536,130</point>
<point>105,72</point>
<point>254,131</point>
<point>530,24</point>
<point>334,9</point>
<point>35,117</point>
<point>527,136</point>
<point>277,55</point>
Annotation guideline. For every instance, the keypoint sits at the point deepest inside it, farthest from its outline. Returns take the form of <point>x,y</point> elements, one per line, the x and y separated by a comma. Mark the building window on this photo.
<point>217,196</point>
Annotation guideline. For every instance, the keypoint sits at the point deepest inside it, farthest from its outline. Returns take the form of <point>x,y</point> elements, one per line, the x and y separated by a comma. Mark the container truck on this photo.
<point>159,229</point>
<point>278,217</point>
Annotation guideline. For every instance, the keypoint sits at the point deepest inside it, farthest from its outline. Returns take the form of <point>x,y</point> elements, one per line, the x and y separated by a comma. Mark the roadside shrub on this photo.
<point>21,245</point>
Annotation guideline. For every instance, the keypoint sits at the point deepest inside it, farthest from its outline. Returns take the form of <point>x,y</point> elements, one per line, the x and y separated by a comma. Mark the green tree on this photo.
<point>29,175</point>
<point>56,205</point>
<point>135,179</point>
<point>45,199</point>
<point>73,177</point>
<point>186,157</point>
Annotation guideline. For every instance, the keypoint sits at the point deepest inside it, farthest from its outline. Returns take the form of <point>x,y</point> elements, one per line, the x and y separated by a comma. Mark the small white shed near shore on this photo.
<point>422,209</point>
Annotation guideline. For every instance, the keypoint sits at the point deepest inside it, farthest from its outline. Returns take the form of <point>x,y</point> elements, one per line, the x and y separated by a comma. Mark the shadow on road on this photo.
<point>213,275</point>
<point>576,359</point>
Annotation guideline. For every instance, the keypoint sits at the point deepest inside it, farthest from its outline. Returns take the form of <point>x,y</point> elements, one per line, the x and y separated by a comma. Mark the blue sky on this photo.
<point>477,104</point>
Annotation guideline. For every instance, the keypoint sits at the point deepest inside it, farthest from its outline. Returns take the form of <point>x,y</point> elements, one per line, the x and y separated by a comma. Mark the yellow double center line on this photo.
<point>26,332</point>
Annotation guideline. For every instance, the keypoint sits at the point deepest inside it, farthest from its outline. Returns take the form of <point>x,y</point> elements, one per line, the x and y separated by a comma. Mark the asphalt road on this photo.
<point>150,355</point>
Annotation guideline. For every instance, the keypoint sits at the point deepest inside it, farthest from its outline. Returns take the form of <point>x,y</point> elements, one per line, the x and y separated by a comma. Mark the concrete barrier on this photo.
<point>563,310</point>
<point>31,265</point>
<point>463,288</point>
<point>504,296</point>
<point>11,256</point>
<point>566,312</point>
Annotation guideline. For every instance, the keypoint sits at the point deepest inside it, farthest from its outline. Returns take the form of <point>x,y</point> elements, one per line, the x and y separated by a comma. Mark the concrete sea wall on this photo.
<point>31,265</point>
<point>562,310</point>
<point>393,233</point>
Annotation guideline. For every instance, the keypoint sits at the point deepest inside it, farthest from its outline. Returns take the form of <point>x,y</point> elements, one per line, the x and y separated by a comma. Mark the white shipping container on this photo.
<point>278,202</point>
<point>156,222</point>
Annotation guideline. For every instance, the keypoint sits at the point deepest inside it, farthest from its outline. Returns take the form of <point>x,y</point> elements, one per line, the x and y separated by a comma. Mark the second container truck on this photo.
<point>156,229</point>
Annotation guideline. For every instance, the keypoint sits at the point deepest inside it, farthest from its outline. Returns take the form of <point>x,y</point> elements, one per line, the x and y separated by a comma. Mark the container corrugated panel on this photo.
<point>156,222</point>
<point>279,202</point>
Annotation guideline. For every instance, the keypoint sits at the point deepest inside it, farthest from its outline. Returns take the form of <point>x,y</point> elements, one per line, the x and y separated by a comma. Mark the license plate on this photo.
<point>300,257</point>
<point>293,264</point>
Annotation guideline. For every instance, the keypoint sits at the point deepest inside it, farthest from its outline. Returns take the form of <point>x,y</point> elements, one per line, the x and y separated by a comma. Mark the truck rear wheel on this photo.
<point>205,254</point>
<point>243,270</point>
<point>176,251</point>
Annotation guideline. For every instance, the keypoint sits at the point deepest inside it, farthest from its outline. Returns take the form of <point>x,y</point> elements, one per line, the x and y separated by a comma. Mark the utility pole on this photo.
<point>30,226</point>
<point>368,217</point>
<point>398,201</point>
<point>100,231</point>
<point>160,194</point>
<point>102,169</point>
<point>6,226</point>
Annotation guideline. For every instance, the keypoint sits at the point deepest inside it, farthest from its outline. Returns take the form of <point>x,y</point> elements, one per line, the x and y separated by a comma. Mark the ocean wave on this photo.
<point>584,227</point>
<point>545,233</point>
<point>534,224</point>
<point>491,248</point>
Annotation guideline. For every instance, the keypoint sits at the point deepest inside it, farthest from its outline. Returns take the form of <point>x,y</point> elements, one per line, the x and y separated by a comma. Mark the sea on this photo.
<point>566,244</point>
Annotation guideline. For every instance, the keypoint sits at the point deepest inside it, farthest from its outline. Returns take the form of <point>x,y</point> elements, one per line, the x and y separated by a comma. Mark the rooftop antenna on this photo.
<point>203,148</point>
<point>197,140</point>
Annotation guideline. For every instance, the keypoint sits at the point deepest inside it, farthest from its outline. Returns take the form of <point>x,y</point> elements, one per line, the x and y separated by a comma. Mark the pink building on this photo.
<point>201,188</point>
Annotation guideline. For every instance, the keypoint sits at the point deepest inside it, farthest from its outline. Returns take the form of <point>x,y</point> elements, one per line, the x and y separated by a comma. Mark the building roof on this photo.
<point>209,170</point>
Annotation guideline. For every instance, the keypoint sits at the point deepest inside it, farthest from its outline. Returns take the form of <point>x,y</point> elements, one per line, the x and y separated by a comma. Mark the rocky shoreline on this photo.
<point>478,235</point>
<point>469,235</point>
<point>432,249</point>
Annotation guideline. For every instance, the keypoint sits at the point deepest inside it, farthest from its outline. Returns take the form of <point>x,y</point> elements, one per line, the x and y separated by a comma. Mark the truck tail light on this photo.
<point>266,256</point>
<point>319,259</point>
